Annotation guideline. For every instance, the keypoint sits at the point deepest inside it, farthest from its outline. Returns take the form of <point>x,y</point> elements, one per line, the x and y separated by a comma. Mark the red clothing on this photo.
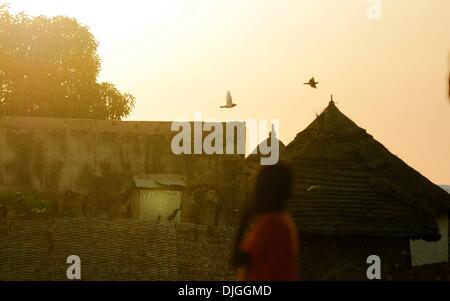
<point>272,245</point>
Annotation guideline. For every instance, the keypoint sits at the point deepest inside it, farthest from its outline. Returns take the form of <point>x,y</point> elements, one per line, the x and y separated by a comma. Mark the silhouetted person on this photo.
<point>269,251</point>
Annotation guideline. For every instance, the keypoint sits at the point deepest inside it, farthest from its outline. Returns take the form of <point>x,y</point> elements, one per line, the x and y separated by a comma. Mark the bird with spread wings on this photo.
<point>312,82</point>
<point>230,103</point>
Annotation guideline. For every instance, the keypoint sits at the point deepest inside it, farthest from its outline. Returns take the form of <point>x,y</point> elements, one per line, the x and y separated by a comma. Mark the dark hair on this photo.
<point>273,188</point>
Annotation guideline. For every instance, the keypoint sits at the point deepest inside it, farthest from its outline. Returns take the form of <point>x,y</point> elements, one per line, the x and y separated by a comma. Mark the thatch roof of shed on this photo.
<point>253,163</point>
<point>255,155</point>
<point>345,182</point>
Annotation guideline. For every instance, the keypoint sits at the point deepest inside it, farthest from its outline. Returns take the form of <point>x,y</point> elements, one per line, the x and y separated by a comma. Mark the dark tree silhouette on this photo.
<point>49,67</point>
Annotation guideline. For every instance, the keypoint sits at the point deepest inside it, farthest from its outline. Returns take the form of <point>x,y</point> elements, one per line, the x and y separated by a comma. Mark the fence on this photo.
<point>114,250</point>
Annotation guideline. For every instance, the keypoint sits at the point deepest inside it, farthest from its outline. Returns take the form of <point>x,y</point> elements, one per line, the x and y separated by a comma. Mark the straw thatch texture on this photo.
<point>348,183</point>
<point>113,250</point>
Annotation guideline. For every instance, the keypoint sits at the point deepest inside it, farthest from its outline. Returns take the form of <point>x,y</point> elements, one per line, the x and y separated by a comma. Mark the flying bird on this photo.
<point>230,103</point>
<point>312,82</point>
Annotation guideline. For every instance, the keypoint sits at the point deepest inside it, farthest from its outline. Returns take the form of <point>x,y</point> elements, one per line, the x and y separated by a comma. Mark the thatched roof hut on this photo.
<point>353,198</point>
<point>346,182</point>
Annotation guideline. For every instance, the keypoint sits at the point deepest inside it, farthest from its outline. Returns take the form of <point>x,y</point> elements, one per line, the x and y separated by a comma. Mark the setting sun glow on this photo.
<point>180,56</point>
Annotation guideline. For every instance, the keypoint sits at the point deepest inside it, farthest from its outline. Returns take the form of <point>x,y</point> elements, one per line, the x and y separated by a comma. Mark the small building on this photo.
<point>426,252</point>
<point>166,198</point>
<point>158,197</point>
<point>352,198</point>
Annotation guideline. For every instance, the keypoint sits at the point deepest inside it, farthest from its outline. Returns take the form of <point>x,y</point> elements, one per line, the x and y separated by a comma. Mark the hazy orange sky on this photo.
<point>179,56</point>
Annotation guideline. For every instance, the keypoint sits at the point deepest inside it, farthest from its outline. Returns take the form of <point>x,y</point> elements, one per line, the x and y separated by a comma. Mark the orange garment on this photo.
<point>272,245</point>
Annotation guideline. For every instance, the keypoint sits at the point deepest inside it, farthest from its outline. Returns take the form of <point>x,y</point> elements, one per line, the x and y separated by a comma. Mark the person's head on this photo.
<point>273,187</point>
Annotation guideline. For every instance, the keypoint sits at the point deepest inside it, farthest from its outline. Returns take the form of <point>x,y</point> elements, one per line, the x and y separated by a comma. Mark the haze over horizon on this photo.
<point>390,75</point>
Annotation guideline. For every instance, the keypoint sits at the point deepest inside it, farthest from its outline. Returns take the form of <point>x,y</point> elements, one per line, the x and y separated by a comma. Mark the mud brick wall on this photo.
<point>114,250</point>
<point>97,159</point>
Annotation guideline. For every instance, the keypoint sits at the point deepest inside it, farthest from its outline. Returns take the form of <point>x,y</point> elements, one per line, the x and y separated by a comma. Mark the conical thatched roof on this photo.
<point>345,182</point>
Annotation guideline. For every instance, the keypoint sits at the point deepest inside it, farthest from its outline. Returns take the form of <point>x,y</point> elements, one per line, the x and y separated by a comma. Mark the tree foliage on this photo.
<point>49,67</point>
